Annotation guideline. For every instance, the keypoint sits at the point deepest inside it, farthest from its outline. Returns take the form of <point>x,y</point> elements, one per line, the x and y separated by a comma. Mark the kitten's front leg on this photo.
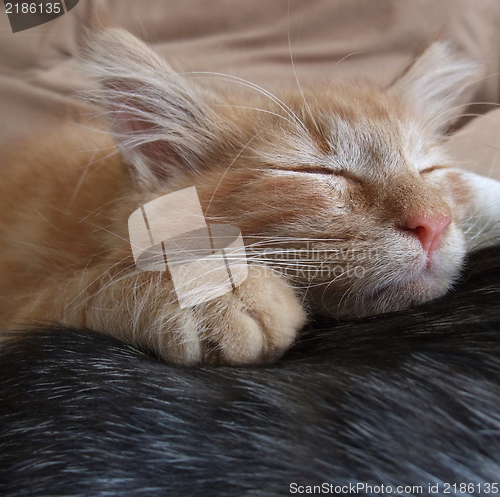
<point>255,323</point>
<point>480,199</point>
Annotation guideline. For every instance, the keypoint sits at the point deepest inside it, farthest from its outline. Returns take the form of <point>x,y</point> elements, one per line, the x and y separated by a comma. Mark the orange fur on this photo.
<point>314,181</point>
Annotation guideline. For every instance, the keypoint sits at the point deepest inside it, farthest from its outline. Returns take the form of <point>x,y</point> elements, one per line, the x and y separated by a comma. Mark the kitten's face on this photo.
<point>329,203</point>
<point>344,190</point>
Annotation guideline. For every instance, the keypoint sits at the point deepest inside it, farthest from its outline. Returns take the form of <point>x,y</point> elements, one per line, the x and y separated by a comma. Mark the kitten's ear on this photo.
<point>162,126</point>
<point>434,82</point>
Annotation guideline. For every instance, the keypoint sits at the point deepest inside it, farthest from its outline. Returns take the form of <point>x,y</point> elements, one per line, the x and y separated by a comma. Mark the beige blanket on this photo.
<point>273,43</point>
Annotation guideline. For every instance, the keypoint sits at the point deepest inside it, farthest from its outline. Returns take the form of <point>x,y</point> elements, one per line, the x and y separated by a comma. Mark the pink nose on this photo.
<point>428,229</point>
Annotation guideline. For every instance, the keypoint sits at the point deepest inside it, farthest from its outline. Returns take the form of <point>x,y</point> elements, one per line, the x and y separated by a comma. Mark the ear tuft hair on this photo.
<point>435,81</point>
<point>162,126</point>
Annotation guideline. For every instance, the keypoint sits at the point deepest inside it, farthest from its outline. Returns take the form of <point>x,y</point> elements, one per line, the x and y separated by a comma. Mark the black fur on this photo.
<point>411,398</point>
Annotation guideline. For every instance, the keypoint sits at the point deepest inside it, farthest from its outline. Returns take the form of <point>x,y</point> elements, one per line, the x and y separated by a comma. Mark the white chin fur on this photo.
<point>403,285</point>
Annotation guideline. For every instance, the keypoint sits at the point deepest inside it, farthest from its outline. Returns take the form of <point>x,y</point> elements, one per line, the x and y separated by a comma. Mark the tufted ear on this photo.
<point>162,126</point>
<point>434,82</point>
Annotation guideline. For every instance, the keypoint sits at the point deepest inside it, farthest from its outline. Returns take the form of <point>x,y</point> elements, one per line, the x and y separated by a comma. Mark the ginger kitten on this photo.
<point>345,199</point>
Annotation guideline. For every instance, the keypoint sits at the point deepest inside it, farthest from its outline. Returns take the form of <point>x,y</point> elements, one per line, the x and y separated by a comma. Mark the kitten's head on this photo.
<point>344,189</point>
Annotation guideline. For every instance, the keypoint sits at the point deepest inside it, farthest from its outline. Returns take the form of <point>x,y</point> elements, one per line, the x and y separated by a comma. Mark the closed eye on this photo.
<point>331,172</point>
<point>432,168</point>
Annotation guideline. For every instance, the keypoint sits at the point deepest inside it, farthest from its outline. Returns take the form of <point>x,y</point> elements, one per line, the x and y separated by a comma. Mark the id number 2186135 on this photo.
<point>33,8</point>
<point>470,488</point>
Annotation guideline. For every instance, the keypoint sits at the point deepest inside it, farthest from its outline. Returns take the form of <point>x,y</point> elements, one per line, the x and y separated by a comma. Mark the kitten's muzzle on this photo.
<point>428,229</point>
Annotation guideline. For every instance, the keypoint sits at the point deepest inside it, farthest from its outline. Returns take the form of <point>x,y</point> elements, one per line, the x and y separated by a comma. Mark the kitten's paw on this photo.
<point>254,324</point>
